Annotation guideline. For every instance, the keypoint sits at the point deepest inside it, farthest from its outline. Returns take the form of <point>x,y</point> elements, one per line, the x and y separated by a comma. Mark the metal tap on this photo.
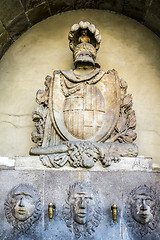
<point>114,212</point>
<point>51,209</point>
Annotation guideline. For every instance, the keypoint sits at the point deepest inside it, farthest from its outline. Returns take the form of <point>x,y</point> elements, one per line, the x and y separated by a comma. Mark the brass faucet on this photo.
<point>51,209</point>
<point>114,212</point>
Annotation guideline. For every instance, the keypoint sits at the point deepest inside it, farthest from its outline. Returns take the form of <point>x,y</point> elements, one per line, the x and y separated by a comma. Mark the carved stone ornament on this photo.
<point>142,213</point>
<point>22,207</point>
<point>82,213</point>
<point>78,111</point>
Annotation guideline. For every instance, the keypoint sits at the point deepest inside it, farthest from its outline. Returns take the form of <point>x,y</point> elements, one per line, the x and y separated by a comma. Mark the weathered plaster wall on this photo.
<point>127,46</point>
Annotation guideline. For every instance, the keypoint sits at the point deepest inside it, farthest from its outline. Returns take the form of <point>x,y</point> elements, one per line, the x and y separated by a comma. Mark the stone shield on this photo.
<point>88,109</point>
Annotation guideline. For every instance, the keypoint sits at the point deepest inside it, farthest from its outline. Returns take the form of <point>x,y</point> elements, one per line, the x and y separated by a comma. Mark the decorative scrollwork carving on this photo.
<point>123,131</point>
<point>84,153</point>
<point>40,114</point>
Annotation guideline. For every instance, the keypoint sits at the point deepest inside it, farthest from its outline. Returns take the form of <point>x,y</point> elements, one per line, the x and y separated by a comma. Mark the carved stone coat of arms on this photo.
<point>85,113</point>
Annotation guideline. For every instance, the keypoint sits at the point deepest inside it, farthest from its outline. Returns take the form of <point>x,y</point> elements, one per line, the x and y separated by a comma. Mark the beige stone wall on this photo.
<point>127,46</point>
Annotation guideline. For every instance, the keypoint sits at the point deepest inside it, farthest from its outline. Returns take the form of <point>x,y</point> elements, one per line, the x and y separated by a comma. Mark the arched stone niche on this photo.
<point>127,46</point>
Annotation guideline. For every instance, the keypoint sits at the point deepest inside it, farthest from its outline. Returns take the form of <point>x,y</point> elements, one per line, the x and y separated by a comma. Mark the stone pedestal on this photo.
<point>102,186</point>
<point>139,163</point>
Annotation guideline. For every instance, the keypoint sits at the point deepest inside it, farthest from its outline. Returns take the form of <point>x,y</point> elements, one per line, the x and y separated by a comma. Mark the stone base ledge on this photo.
<point>139,163</point>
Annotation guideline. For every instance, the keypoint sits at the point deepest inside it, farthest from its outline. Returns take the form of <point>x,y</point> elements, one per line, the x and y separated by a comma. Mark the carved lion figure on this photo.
<point>81,212</point>
<point>22,207</point>
<point>142,211</point>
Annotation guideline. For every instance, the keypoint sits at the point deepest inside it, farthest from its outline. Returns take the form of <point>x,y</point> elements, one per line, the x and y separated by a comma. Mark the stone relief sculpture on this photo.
<point>142,213</point>
<point>22,207</point>
<point>85,113</point>
<point>82,213</point>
